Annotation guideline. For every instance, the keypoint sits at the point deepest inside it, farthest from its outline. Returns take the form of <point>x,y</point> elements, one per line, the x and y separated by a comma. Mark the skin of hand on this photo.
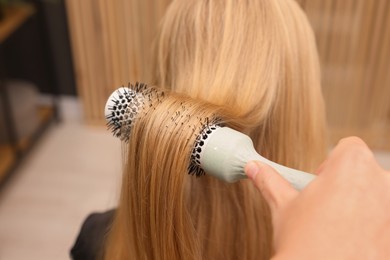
<point>343,214</point>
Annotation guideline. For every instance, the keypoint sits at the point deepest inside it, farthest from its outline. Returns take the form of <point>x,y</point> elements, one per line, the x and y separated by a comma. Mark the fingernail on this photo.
<point>252,169</point>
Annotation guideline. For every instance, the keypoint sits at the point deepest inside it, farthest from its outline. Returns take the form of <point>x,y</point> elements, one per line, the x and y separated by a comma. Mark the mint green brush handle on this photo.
<point>227,151</point>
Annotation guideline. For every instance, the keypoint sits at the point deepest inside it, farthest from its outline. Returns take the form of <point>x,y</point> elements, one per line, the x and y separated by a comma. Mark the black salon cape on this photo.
<point>89,244</point>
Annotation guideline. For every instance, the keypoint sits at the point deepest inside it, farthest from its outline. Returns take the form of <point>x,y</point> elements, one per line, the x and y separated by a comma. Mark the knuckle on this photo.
<point>352,140</point>
<point>365,154</point>
<point>355,148</point>
<point>359,155</point>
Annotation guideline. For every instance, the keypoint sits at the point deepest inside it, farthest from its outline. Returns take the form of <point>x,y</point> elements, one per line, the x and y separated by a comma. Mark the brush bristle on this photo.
<point>206,129</point>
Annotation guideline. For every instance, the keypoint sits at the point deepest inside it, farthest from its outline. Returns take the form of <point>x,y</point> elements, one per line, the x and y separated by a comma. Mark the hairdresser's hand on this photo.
<point>343,214</point>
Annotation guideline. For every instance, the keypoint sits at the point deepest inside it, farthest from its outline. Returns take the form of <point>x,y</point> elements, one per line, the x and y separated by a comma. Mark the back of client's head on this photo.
<point>257,57</point>
<point>256,63</point>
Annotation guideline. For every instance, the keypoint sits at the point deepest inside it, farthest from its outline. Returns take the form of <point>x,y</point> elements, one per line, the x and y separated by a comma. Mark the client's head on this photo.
<point>255,64</point>
<point>257,57</point>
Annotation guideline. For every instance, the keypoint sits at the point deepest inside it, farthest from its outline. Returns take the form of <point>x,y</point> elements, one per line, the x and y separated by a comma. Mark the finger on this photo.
<point>276,190</point>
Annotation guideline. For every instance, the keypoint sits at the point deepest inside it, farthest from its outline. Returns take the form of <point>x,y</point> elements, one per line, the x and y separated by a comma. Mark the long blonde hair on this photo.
<point>256,62</point>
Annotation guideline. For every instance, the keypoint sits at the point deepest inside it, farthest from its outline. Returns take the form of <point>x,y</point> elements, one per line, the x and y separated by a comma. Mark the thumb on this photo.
<point>276,190</point>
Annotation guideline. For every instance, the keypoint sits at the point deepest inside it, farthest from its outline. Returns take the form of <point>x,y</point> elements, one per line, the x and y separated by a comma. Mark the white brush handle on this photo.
<point>227,151</point>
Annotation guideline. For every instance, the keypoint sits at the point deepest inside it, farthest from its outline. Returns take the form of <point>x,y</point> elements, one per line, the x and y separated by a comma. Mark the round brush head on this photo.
<point>122,108</point>
<point>126,104</point>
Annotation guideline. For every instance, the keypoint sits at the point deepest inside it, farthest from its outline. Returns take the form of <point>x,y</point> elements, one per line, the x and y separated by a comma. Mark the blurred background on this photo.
<point>60,60</point>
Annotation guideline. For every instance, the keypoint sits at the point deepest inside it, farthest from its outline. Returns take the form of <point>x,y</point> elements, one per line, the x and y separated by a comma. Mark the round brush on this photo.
<point>218,151</point>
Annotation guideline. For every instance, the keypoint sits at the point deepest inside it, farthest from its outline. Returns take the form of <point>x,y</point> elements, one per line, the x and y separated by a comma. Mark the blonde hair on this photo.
<point>255,63</point>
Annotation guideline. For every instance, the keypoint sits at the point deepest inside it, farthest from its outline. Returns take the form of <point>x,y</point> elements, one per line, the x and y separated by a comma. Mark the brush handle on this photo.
<point>227,151</point>
<point>298,179</point>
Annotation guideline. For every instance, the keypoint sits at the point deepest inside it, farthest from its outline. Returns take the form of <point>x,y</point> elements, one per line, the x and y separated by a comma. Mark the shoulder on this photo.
<point>90,240</point>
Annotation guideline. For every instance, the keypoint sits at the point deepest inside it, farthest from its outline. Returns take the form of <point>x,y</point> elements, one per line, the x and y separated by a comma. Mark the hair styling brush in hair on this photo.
<point>218,151</point>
